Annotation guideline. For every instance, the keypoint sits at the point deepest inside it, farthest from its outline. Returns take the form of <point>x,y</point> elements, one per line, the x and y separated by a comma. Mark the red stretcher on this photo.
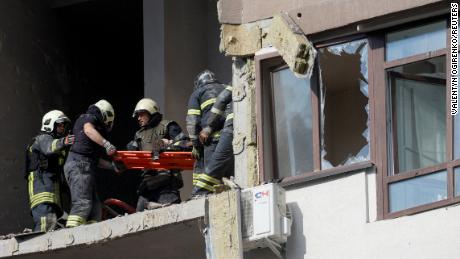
<point>167,160</point>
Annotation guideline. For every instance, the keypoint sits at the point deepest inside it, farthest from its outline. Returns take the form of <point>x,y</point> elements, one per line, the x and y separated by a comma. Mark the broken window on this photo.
<point>310,124</point>
<point>344,104</point>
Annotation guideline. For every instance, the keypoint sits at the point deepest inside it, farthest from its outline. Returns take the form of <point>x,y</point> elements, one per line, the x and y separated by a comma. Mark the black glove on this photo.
<point>118,166</point>
<point>132,146</point>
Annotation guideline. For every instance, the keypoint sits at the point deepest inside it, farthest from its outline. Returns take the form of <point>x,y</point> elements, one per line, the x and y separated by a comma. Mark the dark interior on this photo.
<point>104,41</point>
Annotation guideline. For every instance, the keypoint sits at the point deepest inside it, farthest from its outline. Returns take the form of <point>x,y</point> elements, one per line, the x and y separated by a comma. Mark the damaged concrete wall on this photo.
<point>166,233</point>
<point>325,14</point>
<point>243,42</point>
<point>245,138</point>
<point>33,80</point>
<point>224,240</point>
<point>280,32</point>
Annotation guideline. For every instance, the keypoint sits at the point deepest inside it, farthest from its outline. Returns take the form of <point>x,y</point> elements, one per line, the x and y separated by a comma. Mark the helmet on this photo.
<point>147,105</point>
<point>51,118</point>
<point>108,114</point>
<point>205,77</point>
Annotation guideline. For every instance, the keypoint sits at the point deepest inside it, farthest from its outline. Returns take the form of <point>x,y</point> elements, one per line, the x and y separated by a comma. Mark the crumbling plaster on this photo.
<point>123,231</point>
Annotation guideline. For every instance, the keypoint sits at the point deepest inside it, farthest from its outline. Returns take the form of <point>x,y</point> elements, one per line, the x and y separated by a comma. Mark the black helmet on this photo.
<point>205,77</point>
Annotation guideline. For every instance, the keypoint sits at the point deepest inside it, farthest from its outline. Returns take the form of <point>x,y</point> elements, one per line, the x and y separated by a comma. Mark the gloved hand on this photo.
<point>204,135</point>
<point>197,152</point>
<point>109,148</point>
<point>69,140</point>
<point>132,146</point>
<point>118,166</point>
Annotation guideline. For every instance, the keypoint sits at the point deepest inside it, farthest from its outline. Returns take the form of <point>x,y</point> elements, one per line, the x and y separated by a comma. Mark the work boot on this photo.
<point>154,205</point>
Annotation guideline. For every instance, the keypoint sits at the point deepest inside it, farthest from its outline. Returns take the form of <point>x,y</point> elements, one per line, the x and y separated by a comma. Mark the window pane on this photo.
<point>418,191</point>
<point>418,101</point>
<point>415,41</point>
<point>292,108</point>
<point>344,104</point>
<point>457,181</point>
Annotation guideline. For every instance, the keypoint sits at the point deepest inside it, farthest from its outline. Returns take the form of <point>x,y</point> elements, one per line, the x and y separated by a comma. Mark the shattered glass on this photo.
<point>345,135</point>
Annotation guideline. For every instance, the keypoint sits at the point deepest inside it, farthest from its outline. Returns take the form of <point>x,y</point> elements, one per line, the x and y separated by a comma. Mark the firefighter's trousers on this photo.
<point>44,199</point>
<point>222,162</point>
<point>218,162</point>
<point>80,175</point>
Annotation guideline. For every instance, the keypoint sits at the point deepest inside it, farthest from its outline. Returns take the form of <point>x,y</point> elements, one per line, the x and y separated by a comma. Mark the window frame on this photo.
<point>380,86</point>
<point>317,172</point>
<point>378,116</point>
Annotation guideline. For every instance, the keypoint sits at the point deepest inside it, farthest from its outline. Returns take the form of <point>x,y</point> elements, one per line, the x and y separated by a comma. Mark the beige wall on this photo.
<point>325,14</point>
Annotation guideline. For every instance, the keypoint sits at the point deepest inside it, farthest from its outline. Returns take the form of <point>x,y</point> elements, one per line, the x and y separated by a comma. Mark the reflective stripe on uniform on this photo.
<point>43,197</point>
<point>215,134</point>
<point>207,103</point>
<point>43,223</point>
<point>216,111</point>
<point>74,221</point>
<point>230,88</point>
<point>54,145</point>
<point>204,186</point>
<point>207,178</point>
<point>193,112</point>
<point>229,117</point>
<point>91,222</point>
<point>31,184</point>
<point>196,176</point>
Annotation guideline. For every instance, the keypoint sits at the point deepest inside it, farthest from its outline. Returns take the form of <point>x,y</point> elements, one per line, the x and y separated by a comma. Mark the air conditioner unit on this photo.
<point>266,221</point>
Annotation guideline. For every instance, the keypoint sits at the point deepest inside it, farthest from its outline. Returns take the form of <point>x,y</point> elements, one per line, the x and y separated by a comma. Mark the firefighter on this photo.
<point>91,130</point>
<point>155,133</point>
<point>222,161</point>
<point>206,90</point>
<point>45,158</point>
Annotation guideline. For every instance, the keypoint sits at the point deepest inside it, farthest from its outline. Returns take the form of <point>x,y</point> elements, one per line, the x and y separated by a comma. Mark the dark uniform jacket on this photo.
<point>222,110</point>
<point>45,159</point>
<point>199,107</point>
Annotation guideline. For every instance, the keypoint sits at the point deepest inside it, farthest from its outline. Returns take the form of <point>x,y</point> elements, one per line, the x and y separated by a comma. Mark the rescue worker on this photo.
<point>206,90</point>
<point>222,162</point>
<point>45,158</point>
<point>91,130</point>
<point>155,133</point>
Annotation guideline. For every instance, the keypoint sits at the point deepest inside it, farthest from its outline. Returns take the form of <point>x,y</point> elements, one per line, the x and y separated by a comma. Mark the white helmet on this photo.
<point>52,117</point>
<point>147,105</point>
<point>108,114</point>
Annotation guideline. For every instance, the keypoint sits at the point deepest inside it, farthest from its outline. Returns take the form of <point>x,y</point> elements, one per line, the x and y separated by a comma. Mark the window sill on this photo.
<point>325,174</point>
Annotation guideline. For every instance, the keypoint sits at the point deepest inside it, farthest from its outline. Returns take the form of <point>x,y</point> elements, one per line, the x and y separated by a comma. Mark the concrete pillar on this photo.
<point>154,50</point>
<point>244,106</point>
